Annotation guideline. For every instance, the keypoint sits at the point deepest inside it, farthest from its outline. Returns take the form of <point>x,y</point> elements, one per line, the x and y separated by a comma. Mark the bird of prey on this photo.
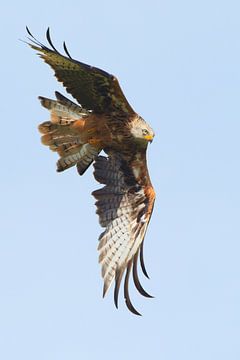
<point>103,120</point>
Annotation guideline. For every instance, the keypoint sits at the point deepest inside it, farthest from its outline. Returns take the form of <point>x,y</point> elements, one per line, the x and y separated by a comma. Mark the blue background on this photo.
<point>178,63</point>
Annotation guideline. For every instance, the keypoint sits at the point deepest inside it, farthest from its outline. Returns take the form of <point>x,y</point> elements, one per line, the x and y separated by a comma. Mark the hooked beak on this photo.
<point>148,138</point>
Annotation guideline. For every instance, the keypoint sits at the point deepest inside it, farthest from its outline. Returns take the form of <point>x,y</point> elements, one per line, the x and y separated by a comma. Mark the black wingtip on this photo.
<point>33,39</point>
<point>136,279</point>
<point>48,33</point>
<point>50,40</point>
<point>66,50</point>
<point>116,292</point>
<point>28,31</point>
<point>126,293</point>
<point>118,279</point>
<point>116,302</point>
<point>142,262</point>
<point>104,290</point>
<point>131,307</point>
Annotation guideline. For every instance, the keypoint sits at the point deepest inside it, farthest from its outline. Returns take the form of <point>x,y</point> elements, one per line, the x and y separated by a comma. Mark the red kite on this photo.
<point>103,120</point>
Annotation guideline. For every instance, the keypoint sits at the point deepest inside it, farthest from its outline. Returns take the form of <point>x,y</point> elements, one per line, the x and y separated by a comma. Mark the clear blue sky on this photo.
<point>178,63</point>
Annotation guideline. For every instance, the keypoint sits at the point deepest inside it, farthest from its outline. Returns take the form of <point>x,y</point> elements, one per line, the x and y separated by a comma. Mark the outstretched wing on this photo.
<point>124,208</point>
<point>93,88</point>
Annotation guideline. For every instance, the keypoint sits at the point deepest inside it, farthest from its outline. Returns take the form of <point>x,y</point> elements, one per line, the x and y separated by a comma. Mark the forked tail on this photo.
<point>65,133</point>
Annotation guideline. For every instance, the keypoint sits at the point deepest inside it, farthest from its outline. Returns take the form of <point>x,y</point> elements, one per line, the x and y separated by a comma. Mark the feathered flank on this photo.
<point>102,119</point>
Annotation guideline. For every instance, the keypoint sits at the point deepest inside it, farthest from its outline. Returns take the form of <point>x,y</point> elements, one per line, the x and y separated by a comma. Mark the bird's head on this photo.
<point>141,131</point>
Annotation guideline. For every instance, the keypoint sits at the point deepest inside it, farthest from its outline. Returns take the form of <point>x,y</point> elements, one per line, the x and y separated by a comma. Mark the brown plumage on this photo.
<point>103,120</point>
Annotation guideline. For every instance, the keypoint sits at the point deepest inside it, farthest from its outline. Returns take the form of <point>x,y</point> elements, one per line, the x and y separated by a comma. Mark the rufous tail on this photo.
<point>64,133</point>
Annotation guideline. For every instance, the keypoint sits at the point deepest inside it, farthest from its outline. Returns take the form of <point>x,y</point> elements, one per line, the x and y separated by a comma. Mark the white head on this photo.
<point>141,131</point>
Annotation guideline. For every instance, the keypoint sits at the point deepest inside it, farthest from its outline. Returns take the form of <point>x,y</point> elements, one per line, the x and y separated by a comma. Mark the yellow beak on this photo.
<point>148,137</point>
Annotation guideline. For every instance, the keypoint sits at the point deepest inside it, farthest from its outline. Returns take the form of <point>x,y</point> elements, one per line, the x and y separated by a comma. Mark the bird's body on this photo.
<point>104,121</point>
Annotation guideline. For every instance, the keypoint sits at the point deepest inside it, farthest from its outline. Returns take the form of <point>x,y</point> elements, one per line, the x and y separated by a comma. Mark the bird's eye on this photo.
<point>145,132</point>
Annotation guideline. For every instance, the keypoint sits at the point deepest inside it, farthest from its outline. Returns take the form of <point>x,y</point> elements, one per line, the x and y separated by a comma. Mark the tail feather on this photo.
<point>91,152</point>
<point>83,157</point>
<point>65,134</point>
<point>65,149</point>
<point>46,127</point>
<point>53,139</point>
<point>63,111</point>
<point>71,105</point>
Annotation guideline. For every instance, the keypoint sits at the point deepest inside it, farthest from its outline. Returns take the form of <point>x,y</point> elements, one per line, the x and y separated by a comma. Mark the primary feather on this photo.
<point>103,120</point>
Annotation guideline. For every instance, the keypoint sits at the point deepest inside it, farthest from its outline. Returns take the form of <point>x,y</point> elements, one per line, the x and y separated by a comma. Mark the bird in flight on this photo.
<point>103,120</point>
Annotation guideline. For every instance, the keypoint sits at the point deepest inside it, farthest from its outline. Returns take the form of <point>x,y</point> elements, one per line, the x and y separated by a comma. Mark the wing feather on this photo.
<point>124,208</point>
<point>125,203</point>
<point>118,279</point>
<point>142,261</point>
<point>126,292</point>
<point>136,278</point>
<point>93,88</point>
